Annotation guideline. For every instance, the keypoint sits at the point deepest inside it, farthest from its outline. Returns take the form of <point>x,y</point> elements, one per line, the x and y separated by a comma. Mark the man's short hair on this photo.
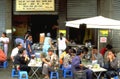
<point>108,46</point>
<point>79,51</point>
<point>50,50</point>
<point>18,44</point>
<point>94,47</point>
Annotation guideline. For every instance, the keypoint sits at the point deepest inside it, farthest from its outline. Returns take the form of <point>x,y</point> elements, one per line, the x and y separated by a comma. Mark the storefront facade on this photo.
<point>64,10</point>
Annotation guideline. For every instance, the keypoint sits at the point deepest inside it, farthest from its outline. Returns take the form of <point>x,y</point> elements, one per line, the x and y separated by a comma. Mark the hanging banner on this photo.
<point>35,5</point>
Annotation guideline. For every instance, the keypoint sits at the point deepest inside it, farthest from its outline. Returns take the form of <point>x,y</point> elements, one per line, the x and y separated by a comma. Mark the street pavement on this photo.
<point>5,73</point>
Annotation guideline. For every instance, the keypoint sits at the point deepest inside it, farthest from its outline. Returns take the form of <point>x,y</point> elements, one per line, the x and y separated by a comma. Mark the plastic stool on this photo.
<point>4,64</point>
<point>61,67</point>
<point>54,75</point>
<point>23,75</point>
<point>14,73</point>
<point>67,72</point>
<point>116,77</point>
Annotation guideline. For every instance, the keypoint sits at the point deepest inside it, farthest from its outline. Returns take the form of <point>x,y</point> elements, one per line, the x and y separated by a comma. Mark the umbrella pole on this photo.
<point>98,40</point>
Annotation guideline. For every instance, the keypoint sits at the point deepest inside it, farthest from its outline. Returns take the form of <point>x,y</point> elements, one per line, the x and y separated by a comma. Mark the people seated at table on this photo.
<point>50,63</point>
<point>104,49</point>
<point>3,56</point>
<point>21,60</point>
<point>97,56</point>
<point>67,59</point>
<point>73,52</point>
<point>15,51</point>
<point>62,55</point>
<point>112,64</point>
<point>108,48</point>
<point>87,54</point>
<point>78,66</point>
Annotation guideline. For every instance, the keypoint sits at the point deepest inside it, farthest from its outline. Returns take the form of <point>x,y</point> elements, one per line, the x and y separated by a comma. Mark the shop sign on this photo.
<point>63,31</point>
<point>104,32</point>
<point>103,39</point>
<point>35,5</point>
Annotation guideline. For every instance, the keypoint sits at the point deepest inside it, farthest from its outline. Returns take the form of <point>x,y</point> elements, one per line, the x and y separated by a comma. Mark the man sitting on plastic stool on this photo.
<point>77,66</point>
<point>50,63</point>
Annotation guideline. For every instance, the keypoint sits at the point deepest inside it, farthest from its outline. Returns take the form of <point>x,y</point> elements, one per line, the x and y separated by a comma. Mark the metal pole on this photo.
<point>98,40</point>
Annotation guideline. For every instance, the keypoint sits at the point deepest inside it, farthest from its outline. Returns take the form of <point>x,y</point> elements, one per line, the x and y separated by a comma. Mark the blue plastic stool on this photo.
<point>54,75</point>
<point>61,67</point>
<point>67,72</point>
<point>23,75</point>
<point>4,64</point>
<point>14,73</point>
<point>116,77</point>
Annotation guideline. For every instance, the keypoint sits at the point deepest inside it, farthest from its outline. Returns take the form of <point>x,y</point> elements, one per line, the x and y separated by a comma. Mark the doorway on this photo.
<point>43,24</point>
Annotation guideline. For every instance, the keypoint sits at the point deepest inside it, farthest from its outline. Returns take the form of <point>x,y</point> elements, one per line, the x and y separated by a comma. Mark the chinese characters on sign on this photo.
<point>35,5</point>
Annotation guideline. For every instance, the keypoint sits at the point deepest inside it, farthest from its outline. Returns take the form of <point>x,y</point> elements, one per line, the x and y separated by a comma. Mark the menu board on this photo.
<point>35,5</point>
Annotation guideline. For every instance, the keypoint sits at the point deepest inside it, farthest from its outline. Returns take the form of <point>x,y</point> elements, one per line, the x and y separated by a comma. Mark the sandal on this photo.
<point>46,78</point>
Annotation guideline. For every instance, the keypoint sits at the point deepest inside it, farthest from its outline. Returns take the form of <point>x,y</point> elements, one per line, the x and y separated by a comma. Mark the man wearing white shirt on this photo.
<point>62,43</point>
<point>15,50</point>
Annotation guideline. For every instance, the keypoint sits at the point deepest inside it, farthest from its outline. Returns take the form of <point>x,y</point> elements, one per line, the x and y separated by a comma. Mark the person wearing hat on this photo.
<point>47,43</point>
<point>51,63</point>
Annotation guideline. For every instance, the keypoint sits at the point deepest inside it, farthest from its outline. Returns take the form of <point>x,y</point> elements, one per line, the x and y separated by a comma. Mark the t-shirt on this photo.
<point>62,43</point>
<point>102,51</point>
<point>5,40</point>
<point>53,59</point>
<point>99,58</point>
<point>67,60</point>
<point>14,51</point>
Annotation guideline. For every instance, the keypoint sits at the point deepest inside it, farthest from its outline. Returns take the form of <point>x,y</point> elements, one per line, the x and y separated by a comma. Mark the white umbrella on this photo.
<point>95,22</point>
